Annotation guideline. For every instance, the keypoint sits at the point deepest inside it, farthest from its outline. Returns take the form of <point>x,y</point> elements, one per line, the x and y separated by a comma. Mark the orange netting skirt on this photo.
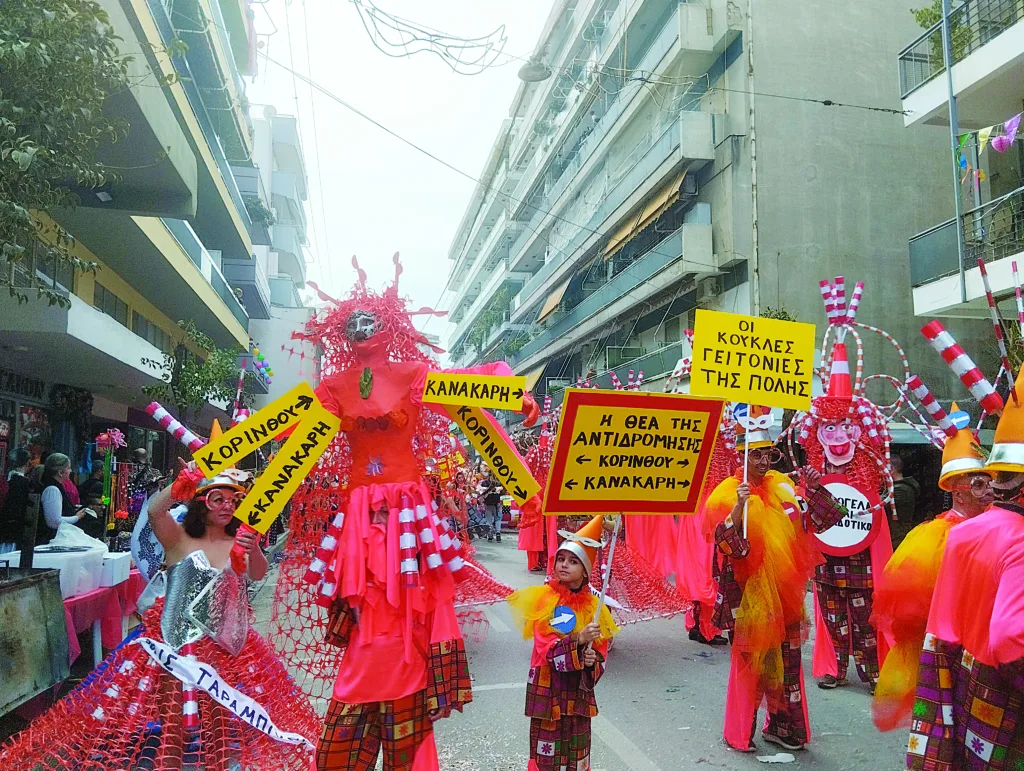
<point>129,715</point>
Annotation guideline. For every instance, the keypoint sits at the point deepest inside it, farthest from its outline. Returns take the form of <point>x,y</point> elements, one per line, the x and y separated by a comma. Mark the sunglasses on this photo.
<point>221,499</point>
<point>771,455</point>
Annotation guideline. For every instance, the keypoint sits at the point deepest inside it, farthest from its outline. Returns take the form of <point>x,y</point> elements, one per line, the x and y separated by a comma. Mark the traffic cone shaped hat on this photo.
<point>229,477</point>
<point>962,453</point>
<point>1008,445</point>
<point>585,542</point>
<point>839,378</point>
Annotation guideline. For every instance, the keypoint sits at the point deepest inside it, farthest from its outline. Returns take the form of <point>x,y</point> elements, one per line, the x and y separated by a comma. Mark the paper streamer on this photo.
<point>964,367</point>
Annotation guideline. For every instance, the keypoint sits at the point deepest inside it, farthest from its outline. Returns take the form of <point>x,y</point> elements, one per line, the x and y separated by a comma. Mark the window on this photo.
<point>109,303</point>
<point>149,331</point>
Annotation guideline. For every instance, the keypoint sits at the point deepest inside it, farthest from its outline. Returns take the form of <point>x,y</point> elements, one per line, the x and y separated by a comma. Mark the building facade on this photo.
<point>986,87</point>
<point>688,155</point>
<point>173,239</point>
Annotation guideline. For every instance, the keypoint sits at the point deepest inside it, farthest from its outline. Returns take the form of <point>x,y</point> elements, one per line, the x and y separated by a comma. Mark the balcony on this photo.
<point>654,365</point>
<point>283,293</point>
<point>241,33</point>
<point>288,150</point>
<point>248,276</point>
<point>687,141</point>
<point>988,66</point>
<point>500,277</point>
<point>250,185</point>
<point>993,232</point>
<point>287,198</point>
<point>290,259</point>
<point>685,253</point>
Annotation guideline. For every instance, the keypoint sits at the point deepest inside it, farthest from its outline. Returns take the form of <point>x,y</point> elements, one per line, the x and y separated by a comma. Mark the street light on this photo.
<point>534,71</point>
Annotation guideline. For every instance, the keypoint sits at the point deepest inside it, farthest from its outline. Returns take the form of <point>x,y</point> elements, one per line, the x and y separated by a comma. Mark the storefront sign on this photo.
<point>630,451</point>
<point>752,360</point>
<point>859,528</point>
<point>22,385</point>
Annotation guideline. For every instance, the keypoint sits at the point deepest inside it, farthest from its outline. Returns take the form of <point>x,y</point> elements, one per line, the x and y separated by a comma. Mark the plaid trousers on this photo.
<point>354,733</point>
<point>847,614</point>
<point>560,745</point>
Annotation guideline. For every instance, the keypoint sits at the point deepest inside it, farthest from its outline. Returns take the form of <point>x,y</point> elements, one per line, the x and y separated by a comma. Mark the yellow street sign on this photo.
<point>494,392</point>
<point>281,414</point>
<point>752,360</point>
<point>631,451</point>
<point>508,467</point>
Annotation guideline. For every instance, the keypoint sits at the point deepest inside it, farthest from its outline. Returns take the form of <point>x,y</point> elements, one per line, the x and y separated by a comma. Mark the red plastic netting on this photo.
<point>129,716</point>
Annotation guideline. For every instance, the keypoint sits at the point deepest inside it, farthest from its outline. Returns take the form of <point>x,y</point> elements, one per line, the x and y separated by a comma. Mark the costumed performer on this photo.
<point>904,591</point>
<point>969,712</point>
<point>696,566</point>
<point>198,688</point>
<point>844,586</point>
<point>762,587</point>
<point>570,645</point>
<point>533,536</point>
<point>387,565</point>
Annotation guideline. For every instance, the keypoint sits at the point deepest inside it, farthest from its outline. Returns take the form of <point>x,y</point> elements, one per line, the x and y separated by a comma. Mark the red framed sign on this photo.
<point>860,527</point>
<point>631,451</point>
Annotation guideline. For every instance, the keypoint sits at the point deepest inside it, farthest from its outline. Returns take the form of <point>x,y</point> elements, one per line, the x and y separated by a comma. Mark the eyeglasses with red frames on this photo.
<point>979,485</point>
<point>770,455</point>
<point>222,498</point>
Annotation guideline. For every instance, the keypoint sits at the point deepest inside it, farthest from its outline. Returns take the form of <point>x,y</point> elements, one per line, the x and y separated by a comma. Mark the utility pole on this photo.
<point>954,131</point>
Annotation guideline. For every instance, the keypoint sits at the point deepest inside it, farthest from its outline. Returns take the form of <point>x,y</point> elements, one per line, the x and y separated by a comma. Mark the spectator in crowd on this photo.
<point>492,504</point>
<point>12,514</point>
<point>906,491</point>
<point>92,488</point>
<point>55,506</point>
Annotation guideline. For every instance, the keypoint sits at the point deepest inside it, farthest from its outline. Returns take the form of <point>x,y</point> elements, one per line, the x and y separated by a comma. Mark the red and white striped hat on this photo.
<point>839,386</point>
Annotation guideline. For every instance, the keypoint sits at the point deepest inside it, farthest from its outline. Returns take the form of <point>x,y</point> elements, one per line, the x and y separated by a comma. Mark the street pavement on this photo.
<point>662,700</point>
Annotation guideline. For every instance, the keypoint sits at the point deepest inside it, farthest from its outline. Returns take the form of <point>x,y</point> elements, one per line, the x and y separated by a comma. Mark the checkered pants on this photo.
<point>847,614</point>
<point>353,735</point>
<point>560,745</point>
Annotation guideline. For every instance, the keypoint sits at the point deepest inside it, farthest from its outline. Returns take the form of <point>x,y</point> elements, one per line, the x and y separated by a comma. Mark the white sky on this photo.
<point>380,195</point>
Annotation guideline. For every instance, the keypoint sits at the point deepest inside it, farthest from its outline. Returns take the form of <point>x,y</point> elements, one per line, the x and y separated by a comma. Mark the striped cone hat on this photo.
<point>839,386</point>
<point>962,454</point>
<point>1008,445</point>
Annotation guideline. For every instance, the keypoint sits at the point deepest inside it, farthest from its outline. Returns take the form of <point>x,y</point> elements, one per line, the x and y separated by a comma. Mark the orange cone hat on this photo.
<point>1008,445</point>
<point>839,378</point>
<point>585,542</point>
<point>961,455</point>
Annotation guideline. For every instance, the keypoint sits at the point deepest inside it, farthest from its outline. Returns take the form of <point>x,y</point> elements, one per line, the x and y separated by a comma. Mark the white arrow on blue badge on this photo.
<point>960,419</point>
<point>563,619</point>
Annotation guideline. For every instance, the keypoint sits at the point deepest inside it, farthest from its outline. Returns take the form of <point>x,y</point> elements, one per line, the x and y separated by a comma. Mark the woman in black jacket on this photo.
<point>15,507</point>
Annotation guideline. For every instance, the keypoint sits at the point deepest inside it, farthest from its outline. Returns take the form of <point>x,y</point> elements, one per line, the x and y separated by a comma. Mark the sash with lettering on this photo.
<point>196,674</point>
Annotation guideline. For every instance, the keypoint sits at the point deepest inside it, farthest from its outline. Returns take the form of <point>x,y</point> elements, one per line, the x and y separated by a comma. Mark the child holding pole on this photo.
<point>571,629</point>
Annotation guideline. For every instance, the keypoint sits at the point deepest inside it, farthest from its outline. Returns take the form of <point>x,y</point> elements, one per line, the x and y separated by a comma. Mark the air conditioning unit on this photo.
<point>708,289</point>
<point>616,356</point>
<point>554,384</point>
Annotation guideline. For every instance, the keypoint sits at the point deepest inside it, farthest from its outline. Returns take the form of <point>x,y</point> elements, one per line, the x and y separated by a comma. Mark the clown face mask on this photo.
<point>361,326</point>
<point>839,440</point>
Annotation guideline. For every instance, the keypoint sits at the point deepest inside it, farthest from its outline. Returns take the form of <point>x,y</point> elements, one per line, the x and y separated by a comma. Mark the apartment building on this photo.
<point>986,88</point>
<point>670,156</point>
<point>165,236</point>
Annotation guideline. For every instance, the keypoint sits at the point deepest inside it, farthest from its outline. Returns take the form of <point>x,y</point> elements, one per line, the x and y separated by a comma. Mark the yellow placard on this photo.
<point>243,439</point>
<point>276,485</point>
<point>636,452</point>
<point>493,392</point>
<point>752,360</point>
<point>503,459</point>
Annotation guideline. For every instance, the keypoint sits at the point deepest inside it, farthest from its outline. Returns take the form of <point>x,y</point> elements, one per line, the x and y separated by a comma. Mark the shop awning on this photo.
<point>551,304</point>
<point>534,375</point>
<point>654,208</point>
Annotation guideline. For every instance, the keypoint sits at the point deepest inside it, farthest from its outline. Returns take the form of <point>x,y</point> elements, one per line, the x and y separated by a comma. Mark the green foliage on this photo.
<point>258,212</point>
<point>58,62</point>
<point>491,317</point>
<point>190,381</point>
<point>779,313</point>
<point>960,32</point>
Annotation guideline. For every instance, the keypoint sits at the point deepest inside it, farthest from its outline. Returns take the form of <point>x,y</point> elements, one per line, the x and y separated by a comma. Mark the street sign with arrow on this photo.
<point>494,392</point>
<point>631,451</point>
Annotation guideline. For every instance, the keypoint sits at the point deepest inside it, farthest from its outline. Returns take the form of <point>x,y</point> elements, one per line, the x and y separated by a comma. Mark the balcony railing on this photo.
<point>654,364</point>
<point>991,232</point>
<point>972,25</point>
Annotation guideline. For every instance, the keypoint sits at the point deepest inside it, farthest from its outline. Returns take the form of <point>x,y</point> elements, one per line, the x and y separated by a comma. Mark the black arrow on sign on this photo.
<point>518,393</point>
<point>571,484</point>
<point>684,462</point>
<point>254,518</point>
<point>304,401</point>
<point>520,493</point>
<point>685,483</point>
<point>581,460</point>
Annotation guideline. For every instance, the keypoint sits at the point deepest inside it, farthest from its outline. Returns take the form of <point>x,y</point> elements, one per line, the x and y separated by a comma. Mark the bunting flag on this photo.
<point>983,137</point>
<point>1000,143</point>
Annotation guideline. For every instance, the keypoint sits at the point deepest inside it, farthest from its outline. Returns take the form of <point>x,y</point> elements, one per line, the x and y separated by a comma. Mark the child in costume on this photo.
<point>968,713</point>
<point>904,591</point>
<point>197,688</point>
<point>569,651</point>
<point>762,587</point>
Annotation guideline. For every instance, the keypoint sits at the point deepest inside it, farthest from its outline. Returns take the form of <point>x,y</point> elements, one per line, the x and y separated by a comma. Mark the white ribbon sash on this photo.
<point>196,674</point>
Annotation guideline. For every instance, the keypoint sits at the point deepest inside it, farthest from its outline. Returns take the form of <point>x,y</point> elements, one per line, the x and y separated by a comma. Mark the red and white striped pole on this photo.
<point>1020,301</point>
<point>858,292</point>
<point>934,409</point>
<point>407,544</point>
<point>189,701</point>
<point>963,366</point>
<point>997,328</point>
<point>174,428</point>
<point>826,297</point>
<point>840,292</point>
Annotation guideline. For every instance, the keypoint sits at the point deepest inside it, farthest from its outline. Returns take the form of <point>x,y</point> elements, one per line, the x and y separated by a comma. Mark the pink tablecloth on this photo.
<point>108,605</point>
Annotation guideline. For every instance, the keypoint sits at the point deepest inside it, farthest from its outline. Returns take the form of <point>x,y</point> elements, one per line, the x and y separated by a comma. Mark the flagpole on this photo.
<point>746,453</point>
